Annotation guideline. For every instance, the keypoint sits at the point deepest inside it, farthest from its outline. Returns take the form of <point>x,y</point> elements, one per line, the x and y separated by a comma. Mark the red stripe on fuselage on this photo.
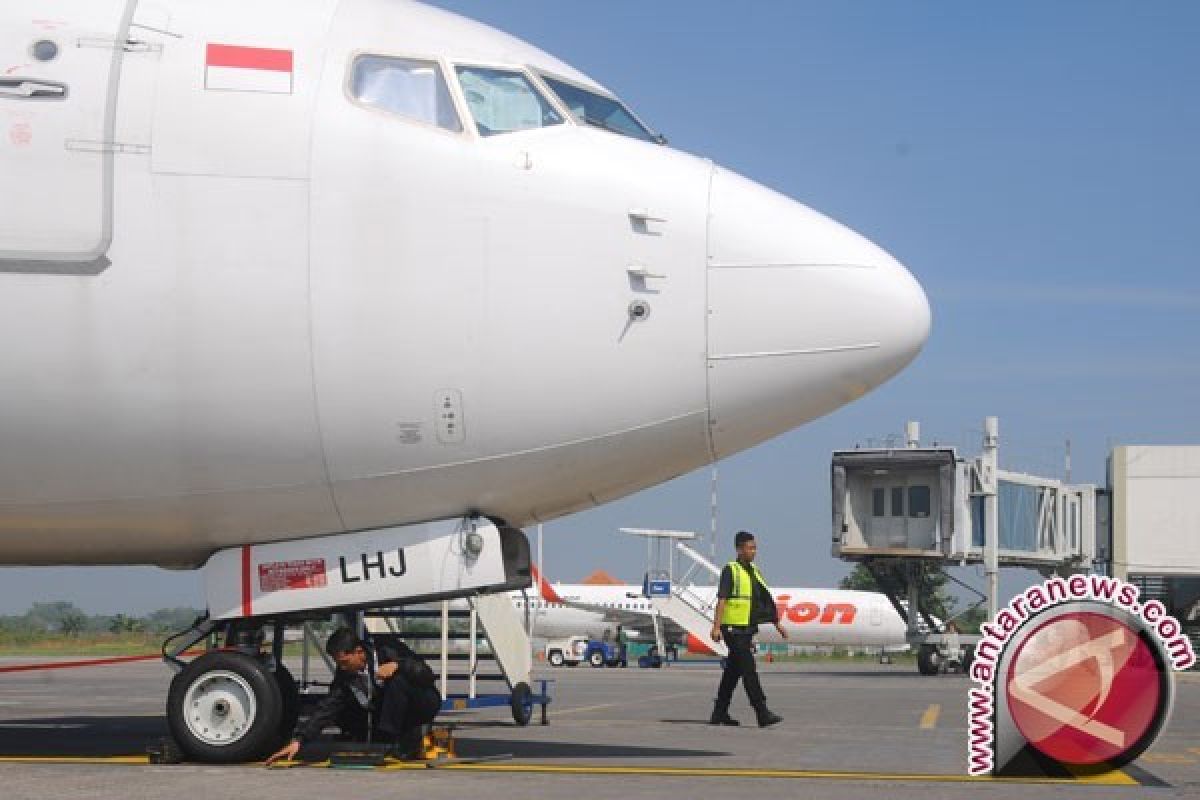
<point>232,55</point>
<point>247,591</point>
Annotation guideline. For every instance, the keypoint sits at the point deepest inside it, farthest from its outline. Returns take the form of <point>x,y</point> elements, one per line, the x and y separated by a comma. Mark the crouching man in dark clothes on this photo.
<point>406,699</point>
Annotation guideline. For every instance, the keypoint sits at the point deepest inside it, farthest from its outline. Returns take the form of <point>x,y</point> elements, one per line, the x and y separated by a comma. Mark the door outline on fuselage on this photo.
<point>64,257</point>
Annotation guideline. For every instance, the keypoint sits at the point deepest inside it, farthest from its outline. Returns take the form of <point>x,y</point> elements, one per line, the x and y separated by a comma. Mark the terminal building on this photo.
<point>1154,531</point>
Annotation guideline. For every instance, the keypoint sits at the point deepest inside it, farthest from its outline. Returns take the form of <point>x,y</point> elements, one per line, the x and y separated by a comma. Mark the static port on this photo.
<point>639,310</point>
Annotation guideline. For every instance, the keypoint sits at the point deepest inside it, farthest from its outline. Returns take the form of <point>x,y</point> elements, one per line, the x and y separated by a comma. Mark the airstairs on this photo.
<point>689,611</point>
<point>675,600</point>
<point>471,644</point>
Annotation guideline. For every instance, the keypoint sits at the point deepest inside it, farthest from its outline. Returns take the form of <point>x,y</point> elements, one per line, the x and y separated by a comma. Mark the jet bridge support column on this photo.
<point>988,479</point>
<point>913,576</point>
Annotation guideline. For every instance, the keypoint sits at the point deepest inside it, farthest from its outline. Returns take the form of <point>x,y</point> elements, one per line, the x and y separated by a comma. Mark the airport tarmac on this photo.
<point>850,730</point>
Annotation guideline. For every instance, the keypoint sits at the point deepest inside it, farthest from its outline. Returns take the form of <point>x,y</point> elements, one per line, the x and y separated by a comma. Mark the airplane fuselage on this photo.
<point>246,300</point>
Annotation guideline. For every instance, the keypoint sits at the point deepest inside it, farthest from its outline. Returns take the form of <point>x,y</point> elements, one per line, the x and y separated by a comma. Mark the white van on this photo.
<point>566,652</point>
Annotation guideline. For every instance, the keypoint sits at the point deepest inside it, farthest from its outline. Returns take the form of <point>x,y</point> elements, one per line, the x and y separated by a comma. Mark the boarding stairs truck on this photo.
<point>676,600</point>
<point>691,612</point>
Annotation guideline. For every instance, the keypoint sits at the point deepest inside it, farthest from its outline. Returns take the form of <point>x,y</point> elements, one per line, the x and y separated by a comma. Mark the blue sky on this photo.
<point>1034,164</point>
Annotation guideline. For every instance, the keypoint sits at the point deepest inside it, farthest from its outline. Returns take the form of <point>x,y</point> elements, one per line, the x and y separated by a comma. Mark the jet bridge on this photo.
<point>930,503</point>
<point>904,510</point>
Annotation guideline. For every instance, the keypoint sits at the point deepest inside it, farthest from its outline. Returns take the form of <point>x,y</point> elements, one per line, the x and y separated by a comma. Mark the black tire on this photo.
<point>211,696</point>
<point>968,657</point>
<point>555,658</point>
<point>929,660</point>
<point>596,658</point>
<point>289,696</point>
<point>522,704</point>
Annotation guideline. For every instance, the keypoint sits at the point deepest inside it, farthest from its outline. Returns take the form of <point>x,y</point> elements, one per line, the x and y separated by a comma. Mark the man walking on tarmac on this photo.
<point>743,603</point>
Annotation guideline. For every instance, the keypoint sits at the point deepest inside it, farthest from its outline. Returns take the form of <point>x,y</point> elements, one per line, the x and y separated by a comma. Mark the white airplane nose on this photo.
<point>805,315</point>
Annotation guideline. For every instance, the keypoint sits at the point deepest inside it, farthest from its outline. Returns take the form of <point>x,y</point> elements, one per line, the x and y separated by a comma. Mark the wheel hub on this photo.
<point>219,708</point>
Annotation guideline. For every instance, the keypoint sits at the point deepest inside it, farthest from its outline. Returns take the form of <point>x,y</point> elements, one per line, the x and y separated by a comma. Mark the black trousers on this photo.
<point>404,708</point>
<point>739,665</point>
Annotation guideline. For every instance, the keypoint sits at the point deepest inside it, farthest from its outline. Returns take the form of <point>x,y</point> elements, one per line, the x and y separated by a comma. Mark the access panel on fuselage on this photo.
<point>60,62</point>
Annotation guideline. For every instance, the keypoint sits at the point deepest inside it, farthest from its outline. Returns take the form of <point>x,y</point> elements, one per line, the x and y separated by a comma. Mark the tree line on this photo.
<point>935,593</point>
<point>66,619</point>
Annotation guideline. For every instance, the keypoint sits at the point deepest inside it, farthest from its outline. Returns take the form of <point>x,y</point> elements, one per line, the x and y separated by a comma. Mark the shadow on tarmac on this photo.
<point>83,737</point>
<point>104,737</point>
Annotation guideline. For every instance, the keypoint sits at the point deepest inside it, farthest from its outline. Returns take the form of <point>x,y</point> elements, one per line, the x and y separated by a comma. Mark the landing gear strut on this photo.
<point>239,703</point>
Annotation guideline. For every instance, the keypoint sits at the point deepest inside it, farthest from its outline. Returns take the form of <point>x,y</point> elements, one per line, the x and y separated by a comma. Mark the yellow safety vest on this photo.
<point>739,603</point>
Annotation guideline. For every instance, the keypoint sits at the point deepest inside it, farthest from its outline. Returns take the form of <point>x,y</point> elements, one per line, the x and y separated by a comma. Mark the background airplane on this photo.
<point>810,616</point>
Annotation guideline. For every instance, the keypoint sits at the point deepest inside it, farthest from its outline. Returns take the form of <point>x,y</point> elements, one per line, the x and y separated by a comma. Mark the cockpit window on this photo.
<point>503,101</point>
<point>590,108</point>
<point>410,88</point>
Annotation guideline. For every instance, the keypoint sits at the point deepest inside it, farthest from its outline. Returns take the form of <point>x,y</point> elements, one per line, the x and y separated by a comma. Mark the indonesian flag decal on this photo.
<point>234,68</point>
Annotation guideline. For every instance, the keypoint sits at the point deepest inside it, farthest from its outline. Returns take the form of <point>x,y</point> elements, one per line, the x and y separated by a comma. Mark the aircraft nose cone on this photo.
<point>805,315</point>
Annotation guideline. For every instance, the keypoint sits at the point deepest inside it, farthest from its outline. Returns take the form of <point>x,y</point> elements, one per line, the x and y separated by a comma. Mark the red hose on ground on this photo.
<point>91,662</point>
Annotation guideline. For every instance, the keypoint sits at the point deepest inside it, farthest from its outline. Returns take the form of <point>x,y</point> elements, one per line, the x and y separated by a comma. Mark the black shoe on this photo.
<point>766,718</point>
<point>722,718</point>
<point>407,746</point>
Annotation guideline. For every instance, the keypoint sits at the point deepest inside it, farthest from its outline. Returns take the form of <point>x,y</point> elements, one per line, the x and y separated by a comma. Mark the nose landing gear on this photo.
<point>225,707</point>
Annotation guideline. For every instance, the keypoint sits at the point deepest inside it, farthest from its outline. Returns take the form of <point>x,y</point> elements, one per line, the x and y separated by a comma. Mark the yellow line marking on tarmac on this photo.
<point>1112,778</point>
<point>1108,779</point>
<point>930,717</point>
<point>1116,778</point>
<point>131,760</point>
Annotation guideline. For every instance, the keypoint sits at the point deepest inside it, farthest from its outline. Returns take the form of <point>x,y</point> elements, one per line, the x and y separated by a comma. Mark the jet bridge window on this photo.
<point>413,89</point>
<point>918,501</point>
<point>503,101</point>
<point>606,113</point>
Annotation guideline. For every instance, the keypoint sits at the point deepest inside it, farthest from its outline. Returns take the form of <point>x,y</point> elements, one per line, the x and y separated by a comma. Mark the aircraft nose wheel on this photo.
<point>225,708</point>
<point>219,707</point>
